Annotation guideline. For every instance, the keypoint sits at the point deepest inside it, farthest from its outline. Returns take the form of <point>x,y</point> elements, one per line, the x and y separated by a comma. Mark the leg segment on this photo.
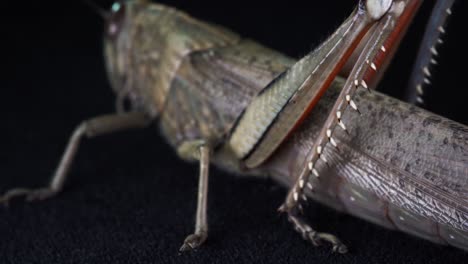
<point>93,127</point>
<point>315,237</point>
<point>372,60</point>
<point>421,75</point>
<point>202,153</point>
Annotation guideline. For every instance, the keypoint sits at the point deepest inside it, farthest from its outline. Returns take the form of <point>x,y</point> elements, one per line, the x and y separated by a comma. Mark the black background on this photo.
<point>129,199</point>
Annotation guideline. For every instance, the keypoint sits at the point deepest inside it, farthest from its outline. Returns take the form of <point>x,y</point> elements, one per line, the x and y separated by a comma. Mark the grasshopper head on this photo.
<point>118,43</point>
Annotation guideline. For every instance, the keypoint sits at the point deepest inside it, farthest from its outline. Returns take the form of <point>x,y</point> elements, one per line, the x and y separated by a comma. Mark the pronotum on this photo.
<point>278,164</point>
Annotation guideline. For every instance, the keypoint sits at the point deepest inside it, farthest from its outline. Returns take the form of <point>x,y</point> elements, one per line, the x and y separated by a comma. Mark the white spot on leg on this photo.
<point>295,196</point>
<point>426,71</point>
<point>352,198</point>
<point>351,102</point>
<point>315,172</point>
<point>338,115</point>
<point>448,11</point>
<point>434,51</point>
<point>427,81</point>
<point>329,135</point>
<point>323,159</point>
<point>401,218</point>
<point>441,30</point>
<point>419,89</point>
<point>309,185</point>
<point>383,49</point>
<point>342,125</point>
<point>451,236</point>
<point>371,64</point>
<point>319,150</point>
<point>301,183</point>
<point>310,165</point>
<point>353,105</point>
<point>364,84</point>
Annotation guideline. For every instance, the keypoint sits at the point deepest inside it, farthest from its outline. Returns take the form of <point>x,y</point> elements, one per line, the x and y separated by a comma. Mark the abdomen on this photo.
<point>400,166</point>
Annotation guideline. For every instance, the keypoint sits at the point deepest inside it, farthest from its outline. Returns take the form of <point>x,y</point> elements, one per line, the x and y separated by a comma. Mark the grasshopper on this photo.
<point>250,137</point>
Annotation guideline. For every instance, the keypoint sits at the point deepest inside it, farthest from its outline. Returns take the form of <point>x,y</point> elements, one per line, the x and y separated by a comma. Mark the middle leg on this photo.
<point>200,151</point>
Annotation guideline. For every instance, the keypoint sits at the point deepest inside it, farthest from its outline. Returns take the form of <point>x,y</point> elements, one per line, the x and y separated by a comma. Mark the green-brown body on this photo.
<point>196,79</point>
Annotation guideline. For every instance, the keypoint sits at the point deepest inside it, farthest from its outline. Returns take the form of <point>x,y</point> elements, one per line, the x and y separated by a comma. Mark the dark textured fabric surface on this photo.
<point>129,199</point>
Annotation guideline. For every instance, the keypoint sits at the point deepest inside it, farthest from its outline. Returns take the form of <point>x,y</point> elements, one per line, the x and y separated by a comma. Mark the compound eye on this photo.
<point>116,19</point>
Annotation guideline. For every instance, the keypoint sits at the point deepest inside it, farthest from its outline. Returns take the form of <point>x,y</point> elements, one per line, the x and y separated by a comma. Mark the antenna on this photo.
<point>97,9</point>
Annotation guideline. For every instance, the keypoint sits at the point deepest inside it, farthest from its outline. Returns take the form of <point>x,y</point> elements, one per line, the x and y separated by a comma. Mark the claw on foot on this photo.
<point>193,241</point>
<point>342,249</point>
<point>29,194</point>
<point>316,238</point>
